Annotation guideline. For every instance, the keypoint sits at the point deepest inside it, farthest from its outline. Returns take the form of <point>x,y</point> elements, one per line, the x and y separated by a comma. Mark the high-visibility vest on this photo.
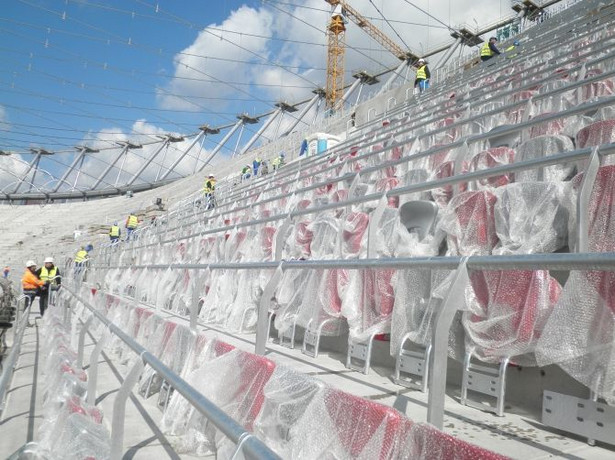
<point>420,74</point>
<point>486,50</point>
<point>132,221</point>
<point>210,186</point>
<point>115,231</point>
<point>81,256</point>
<point>49,274</point>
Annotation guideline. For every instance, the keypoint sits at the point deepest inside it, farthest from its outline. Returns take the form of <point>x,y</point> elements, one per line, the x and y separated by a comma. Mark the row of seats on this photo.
<point>72,428</point>
<point>276,403</point>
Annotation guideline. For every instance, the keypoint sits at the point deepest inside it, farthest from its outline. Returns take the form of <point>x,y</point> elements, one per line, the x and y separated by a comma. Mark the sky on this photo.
<point>80,72</point>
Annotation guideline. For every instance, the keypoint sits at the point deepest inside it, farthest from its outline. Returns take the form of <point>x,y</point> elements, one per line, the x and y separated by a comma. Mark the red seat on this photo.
<point>470,223</point>
<point>508,311</point>
<point>600,132</point>
<point>420,441</point>
<point>369,311</point>
<point>596,89</point>
<point>356,421</point>
<point>386,184</point>
<point>354,227</point>
<point>491,158</point>
<point>548,128</point>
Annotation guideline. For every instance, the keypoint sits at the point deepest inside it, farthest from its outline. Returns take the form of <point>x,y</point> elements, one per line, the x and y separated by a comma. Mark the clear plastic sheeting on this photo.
<point>506,313</point>
<point>491,158</point>
<point>416,303</point>
<point>234,381</point>
<point>469,223</point>
<point>530,217</point>
<point>543,146</point>
<point>287,395</point>
<point>580,333</point>
<point>339,425</point>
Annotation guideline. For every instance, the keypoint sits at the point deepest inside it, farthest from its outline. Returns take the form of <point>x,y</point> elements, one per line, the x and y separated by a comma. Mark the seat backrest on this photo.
<point>487,159</point>
<point>470,223</point>
<point>354,227</point>
<point>419,216</point>
<point>600,132</point>
<point>357,421</point>
<point>539,147</point>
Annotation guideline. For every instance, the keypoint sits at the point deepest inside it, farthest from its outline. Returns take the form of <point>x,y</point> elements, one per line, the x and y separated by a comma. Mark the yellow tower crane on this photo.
<point>336,46</point>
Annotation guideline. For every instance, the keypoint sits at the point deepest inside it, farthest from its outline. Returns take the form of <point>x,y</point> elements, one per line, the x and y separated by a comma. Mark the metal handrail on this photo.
<point>11,361</point>
<point>606,149</point>
<point>250,444</point>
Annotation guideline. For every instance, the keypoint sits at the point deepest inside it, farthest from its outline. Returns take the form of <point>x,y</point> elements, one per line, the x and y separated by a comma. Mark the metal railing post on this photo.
<point>93,371</point>
<point>119,409</point>
<point>262,322</point>
<point>81,345</point>
<point>438,360</point>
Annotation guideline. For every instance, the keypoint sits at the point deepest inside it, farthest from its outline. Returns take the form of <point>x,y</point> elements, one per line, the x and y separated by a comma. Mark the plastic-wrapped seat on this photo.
<point>469,223</point>
<point>348,427</point>
<point>600,132</point>
<point>506,312</point>
<point>579,335</point>
<point>421,441</point>
<point>235,382</point>
<point>543,146</point>
<point>490,158</point>
<point>530,217</point>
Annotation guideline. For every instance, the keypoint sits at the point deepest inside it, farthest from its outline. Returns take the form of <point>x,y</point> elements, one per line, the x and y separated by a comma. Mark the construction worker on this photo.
<point>50,275</point>
<point>510,51</point>
<point>264,168</point>
<point>278,161</point>
<point>246,172</point>
<point>488,50</point>
<point>114,233</point>
<point>132,222</point>
<point>6,272</point>
<point>30,282</point>
<point>422,76</point>
<point>255,165</point>
<point>80,259</point>
<point>209,189</point>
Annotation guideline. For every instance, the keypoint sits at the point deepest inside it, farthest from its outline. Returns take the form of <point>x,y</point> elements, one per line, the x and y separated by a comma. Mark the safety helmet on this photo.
<point>516,43</point>
<point>49,260</point>
<point>30,263</point>
<point>421,60</point>
<point>211,176</point>
<point>493,38</point>
<point>114,223</point>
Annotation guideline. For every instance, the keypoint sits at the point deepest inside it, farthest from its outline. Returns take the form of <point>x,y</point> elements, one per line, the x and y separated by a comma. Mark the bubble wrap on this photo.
<point>242,314</point>
<point>234,381</point>
<point>543,146</point>
<point>289,297</point>
<point>491,158</point>
<point>422,441</point>
<point>414,308</point>
<point>348,427</point>
<point>81,438</point>
<point>469,223</point>
<point>579,335</point>
<point>287,395</point>
<point>530,217</point>
<point>506,312</point>
<point>368,303</point>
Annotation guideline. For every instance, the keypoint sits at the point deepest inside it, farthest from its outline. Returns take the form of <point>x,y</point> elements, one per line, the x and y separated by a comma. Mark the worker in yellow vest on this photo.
<point>422,76</point>
<point>114,233</point>
<point>132,222</point>
<point>209,189</point>
<point>50,274</point>
<point>80,259</point>
<point>488,50</point>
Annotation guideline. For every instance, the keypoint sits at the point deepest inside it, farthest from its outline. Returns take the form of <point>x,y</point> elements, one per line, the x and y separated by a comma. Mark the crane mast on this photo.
<point>336,30</point>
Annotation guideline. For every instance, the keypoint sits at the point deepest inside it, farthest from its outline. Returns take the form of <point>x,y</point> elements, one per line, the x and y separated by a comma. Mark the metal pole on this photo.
<point>164,144</point>
<point>303,112</point>
<point>259,133</point>
<point>225,140</point>
<point>109,167</point>
<point>351,90</point>
<point>181,157</point>
<point>82,151</point>
<point>396,73</point>
<point>448,54</point>
<point>23,178</point>
<point>78,173</point>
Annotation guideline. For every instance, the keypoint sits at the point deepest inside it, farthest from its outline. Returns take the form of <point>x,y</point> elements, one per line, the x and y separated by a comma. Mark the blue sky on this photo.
<point>96,71</point>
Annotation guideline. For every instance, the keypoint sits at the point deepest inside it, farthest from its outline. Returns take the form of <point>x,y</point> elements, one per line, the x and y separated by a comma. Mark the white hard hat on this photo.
<point>421,60</point>
<point>49,260</point>
<point>30,263</point>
